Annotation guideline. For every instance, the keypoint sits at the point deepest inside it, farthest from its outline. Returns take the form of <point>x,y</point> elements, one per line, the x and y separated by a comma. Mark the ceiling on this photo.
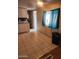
<point>32,3</point>
<point>27,3</point>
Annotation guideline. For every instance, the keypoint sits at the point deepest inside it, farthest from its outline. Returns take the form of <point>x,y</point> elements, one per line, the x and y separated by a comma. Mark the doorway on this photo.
<point>32,20</point>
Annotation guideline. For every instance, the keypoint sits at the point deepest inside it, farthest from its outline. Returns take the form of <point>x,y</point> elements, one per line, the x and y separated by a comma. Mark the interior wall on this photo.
<point>27,3</point>
<point>40,10</point>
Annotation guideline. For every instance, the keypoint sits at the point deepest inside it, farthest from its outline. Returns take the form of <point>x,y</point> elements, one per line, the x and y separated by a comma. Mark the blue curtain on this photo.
<point>50,18</point>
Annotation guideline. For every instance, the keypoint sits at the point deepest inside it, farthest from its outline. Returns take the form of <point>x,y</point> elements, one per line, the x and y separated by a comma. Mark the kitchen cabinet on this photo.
<point>54,54</point>
<point>22,13</point>
<point>23,27</point>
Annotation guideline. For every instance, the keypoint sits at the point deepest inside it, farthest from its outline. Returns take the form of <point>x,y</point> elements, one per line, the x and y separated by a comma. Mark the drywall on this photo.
<point>40,10</point>
<point>27,3</point>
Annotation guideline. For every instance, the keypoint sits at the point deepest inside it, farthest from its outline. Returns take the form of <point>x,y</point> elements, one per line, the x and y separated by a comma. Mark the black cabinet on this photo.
<point>56,38</point>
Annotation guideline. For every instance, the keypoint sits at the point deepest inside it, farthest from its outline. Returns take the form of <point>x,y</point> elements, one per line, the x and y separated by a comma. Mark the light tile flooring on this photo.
<point>33,45</point>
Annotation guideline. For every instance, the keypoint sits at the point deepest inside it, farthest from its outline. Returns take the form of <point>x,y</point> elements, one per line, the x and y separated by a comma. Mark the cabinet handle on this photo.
<point>49,57</point>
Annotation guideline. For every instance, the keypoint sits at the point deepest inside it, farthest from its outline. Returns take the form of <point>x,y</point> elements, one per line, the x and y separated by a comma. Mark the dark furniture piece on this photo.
<point>56,38</point>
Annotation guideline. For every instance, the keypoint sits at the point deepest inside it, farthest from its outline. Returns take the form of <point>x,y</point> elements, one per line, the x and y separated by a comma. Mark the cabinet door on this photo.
<point>54,54</point>
<point>22,13</point>
<point>49,56</point>
<point>19,12</point>
<point>23,28</point>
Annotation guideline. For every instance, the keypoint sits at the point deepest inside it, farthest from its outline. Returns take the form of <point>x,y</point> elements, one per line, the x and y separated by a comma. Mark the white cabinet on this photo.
<point>22,13</point>
<point>23,27</point>
<point>19,12</point>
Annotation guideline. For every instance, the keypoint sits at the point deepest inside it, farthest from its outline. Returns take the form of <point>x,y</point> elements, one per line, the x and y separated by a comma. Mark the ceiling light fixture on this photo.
<point>39,3</point>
